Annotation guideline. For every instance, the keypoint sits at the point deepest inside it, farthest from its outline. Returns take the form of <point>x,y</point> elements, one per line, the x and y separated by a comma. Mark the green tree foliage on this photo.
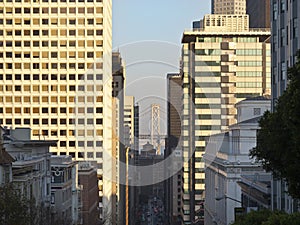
<point>253,218</point>
<point>267,217</point>
<point>14,209</point>
<point>278,141</point>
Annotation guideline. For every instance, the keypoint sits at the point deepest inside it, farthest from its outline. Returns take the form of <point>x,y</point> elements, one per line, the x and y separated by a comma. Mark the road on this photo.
<point>153,213</point>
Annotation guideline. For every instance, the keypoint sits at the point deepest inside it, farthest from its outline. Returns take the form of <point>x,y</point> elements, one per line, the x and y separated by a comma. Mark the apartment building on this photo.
<point>219,69</point>
<point>55,76</point>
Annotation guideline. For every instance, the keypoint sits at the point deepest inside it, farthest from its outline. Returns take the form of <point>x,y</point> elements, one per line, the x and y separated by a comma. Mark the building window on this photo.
<point>256,111</point>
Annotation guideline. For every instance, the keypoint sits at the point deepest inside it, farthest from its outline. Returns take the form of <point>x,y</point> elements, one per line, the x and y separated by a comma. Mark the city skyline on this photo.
<point>148,113</point>
<point>150,46</point>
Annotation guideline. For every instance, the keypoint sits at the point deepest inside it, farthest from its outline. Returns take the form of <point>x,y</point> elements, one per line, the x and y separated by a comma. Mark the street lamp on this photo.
<point>236,210</point>
<point>225,196</point>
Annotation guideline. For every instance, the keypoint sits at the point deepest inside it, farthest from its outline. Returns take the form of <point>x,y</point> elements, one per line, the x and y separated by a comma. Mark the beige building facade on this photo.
<point>55,77</point>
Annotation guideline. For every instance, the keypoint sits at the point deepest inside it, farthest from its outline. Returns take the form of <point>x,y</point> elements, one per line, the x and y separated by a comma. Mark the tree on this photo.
<point>14,209</point>
<point>253,218</point>
<point>278,140</point>
<point>267,217</point>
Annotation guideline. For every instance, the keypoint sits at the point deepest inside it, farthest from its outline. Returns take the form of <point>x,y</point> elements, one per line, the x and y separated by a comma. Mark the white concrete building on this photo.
<point>227,159</point>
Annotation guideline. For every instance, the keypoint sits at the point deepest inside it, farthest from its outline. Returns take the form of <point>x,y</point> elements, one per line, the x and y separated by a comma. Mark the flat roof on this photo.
<point>190,35</point>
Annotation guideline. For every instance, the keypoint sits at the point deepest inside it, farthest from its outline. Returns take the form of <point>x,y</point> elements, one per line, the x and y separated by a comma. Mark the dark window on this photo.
<point>8,77</point>
<point>8,121</point>
<point>18,77</point>
<point>63,110</point>
<point>72,77</point>
<point>98,110</point>
<point>44,121</point>
<point>44,110</point>
<point>36,121</point>
<point>63,121</point>
<point>53,121</point>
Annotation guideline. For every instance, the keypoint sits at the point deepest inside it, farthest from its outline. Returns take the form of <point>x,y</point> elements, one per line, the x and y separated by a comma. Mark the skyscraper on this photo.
<point>258,10</point>
<point>285,18</point>
<point>219,69</point>
<point>173,183</point>
<point>118,86</point>
<point>259,13</point>
<point>285,41</point>
<point>55,73</point>
<point>228,6</point>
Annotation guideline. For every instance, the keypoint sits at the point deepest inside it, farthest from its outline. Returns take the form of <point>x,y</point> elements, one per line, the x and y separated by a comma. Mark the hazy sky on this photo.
<point>148,35</point>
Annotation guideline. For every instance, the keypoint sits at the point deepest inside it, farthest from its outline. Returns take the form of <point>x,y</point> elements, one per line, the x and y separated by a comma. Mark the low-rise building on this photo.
<point>64,190</point>
<point>31,166</point>
<point>227,160</point>
<point>5,166</point>
<point>89,198</point>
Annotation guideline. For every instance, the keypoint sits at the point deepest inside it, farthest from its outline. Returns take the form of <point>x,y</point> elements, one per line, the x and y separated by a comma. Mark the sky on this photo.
<point>148,35</point>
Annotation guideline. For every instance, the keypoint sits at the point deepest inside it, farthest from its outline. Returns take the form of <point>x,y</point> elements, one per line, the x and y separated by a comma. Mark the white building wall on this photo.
<point>226,160</point>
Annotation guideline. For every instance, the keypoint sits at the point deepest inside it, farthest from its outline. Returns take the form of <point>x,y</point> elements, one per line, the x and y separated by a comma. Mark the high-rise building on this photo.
<point>219,69</point>
<point>285,17</point>
<point>258,10</point>
<point>285,41</point>
<point>55,77</point>
<point>259,13</point>
<point>129,121</point>
<point>228,6</point>
<point>118,86</point>
<point>173,183</point>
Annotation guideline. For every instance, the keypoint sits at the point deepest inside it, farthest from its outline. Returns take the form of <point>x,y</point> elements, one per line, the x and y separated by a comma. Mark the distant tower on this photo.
<point>155,126</point>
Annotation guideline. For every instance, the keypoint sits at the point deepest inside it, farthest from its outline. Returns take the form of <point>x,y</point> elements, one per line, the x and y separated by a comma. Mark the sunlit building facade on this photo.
<point>56,76</point>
